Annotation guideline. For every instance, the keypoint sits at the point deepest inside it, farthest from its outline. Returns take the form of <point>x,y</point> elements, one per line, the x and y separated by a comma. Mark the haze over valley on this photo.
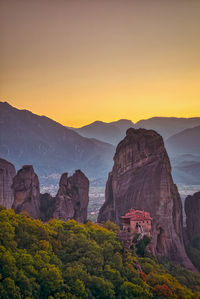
<point>26,138</point>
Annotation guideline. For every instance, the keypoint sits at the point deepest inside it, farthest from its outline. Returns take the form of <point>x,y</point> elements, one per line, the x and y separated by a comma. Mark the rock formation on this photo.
<point>141,179</point>
<point>46,206</point>
<point>192,211</point>
<point>72,199</point>
<point>7,173</point>
<point>26,190</point>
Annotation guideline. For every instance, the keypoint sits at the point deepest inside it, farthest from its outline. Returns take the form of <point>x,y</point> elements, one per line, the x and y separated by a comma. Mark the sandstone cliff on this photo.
<point>26,190</point>
<point>192,211</point>
<point>141,179</point>
<point>7,173</point>
<point>72,199</point>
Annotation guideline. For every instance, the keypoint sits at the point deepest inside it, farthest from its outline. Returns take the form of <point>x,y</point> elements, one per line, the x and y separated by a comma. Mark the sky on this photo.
<point>77,61</point>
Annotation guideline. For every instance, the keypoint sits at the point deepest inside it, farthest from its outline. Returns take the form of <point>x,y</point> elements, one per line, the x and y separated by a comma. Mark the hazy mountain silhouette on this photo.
<point>168,126</point>
<point>186,169</point>
<point>112,132</point>
<point>184,150</point>
<point>26,138</point>
<point>185,142</point>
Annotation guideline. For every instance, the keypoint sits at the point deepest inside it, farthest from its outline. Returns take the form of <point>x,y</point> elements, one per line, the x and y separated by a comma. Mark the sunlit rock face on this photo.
<point>192,211</point>
<point>141,179</point>
<point>71,201</point>
<point>26,188</point>
<point>7,173</point>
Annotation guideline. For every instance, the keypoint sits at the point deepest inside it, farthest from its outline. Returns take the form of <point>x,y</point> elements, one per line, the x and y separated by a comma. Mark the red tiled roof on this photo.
<point>137,215</point>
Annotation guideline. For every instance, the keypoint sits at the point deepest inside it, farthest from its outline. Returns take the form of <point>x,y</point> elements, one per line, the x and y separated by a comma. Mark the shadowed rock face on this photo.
<point>46,206</point>
<point>141,179</point>
<point>192,211</point>
<point>26,190</point>
<point>7,173</point>
<point>72,199</point>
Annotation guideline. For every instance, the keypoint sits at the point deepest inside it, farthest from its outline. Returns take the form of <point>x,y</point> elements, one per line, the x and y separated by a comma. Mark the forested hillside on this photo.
<point>70,260</point>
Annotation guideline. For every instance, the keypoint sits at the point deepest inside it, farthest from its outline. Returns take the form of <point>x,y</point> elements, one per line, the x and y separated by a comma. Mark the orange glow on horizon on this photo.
<point>81,61</point>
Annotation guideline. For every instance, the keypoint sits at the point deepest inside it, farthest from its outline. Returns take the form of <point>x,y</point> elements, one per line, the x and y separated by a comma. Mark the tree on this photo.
<point>50,280</point>
<point>142,244</point>
<point>130,290</point>
<point>78,289</point>
<point>100,288</point>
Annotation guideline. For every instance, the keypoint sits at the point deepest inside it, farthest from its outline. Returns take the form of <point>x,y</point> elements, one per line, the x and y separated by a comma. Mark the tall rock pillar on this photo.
<point>26,190</point>
<point>7,173</point>
<point>141,179</point>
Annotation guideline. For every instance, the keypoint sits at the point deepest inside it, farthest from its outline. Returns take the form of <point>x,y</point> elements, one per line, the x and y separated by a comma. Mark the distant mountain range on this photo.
<point>111,132</point>
<point>114,132</point>
<point>168,126</point>
<point>186,169</point>
<point>185,142</point>
<point>184,151</point>
<point>26,138</point>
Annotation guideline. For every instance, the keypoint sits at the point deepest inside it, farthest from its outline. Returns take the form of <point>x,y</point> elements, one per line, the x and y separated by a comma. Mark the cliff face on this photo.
<point>72,198</point>
<point>71,201</point>
<point>141,179</point>
<point>192,211</point>
<point>7,173</point>
<point>46,206</point>
<point>26,190</point>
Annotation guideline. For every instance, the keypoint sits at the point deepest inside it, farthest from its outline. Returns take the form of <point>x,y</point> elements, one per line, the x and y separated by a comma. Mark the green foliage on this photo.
<point>71,260</point>
<point>194,255</point>
<point>78,289</point>
<point>183,276</point>
<point>100,288</point>
<point>130,290</point>
<point>142,244</point>
<point>193,251</point>
<point>111,226</point>
<point>147,268</point>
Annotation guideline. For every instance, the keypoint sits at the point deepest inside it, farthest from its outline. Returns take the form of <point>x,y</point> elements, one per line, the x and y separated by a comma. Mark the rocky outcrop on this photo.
<point>26,190</point>
<point>46,206</point>
<point>72,199</point>
<point>7,173</point>
<point>141,179</point>
<point>192,211</point>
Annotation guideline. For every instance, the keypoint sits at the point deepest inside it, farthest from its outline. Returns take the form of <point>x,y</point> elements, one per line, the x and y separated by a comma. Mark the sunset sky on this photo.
<point>81,61</point>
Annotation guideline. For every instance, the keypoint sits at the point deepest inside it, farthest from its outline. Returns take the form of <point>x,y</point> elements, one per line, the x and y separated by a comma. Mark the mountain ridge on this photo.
<point>185,142</point>
<point>113,132</point>
<point>27,138</point>
<point>109,132</point>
